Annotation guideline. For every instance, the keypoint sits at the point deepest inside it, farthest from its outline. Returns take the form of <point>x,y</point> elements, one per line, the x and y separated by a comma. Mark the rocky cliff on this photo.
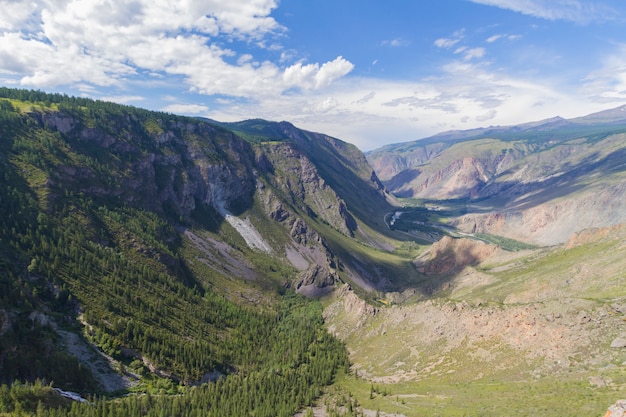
<point>167,164</point>
<point>280,188</point>
<point>531,182</point>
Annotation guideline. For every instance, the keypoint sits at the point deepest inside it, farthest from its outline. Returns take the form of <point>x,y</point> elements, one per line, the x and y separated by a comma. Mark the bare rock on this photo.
<point>450,254</point>
<point>617,410</point>
<point>619,342</point>
<point>583,317</point>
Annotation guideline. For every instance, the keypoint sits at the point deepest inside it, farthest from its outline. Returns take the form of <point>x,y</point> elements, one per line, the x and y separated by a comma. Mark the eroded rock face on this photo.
<point>617,410</point>
<point>450,255</point>
<point>552,222</point>
<point>299,178</point>
<point>356,306</point>
<point>307,252</point>
<point>179,165</point>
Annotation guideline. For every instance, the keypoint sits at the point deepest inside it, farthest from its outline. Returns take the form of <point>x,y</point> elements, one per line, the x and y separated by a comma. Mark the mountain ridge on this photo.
<point>614,115</point>
<point>177,246</point>
<point>518,176</point>
<point>119,215</point>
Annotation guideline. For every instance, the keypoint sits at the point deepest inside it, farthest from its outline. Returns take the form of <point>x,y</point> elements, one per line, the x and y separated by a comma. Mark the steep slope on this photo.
<point>527,182</point>
<point>323,190</point>
<point>339,164</point>
<point>146,229</point>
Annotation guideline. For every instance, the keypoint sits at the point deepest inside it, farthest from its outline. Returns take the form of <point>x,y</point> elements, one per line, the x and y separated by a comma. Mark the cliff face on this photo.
<point>295,175</point>
<point>281,193</point>
<point>529,185</point>
<point>552,222</point>
<point>172,165</point>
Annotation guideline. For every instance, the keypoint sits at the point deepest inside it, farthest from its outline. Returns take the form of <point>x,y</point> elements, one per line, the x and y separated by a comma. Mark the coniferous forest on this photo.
<point>81,253</point>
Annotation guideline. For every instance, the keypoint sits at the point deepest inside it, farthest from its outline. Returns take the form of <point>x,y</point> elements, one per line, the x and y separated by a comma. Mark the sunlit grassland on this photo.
<point>544,397</point>
<point>462,382</point>
<point>400,369</point>
<point>594,270</point>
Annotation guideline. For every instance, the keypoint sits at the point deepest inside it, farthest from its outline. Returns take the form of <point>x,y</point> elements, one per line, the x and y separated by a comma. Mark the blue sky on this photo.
<point>367,72</point>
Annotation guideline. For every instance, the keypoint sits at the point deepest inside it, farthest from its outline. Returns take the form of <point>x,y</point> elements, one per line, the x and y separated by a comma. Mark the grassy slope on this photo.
<point>456,355</point>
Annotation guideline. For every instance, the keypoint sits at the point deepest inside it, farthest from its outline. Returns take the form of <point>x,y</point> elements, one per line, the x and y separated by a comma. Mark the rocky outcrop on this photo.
<point>392,160</point>
<point>462,178</point>
<point>592,235</point>
<point>307,251</point>
<point>298,177</point>
<point>552,222</point>
<point>617,410</point>
<point>451,255</point>
<point>356,306</point>
<point>176,166</point>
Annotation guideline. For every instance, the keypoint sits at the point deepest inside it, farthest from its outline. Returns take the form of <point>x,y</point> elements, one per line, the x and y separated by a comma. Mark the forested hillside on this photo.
<point>112,227</point>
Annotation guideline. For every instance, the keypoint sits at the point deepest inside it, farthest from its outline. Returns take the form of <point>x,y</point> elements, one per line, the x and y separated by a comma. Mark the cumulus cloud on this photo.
<point>312,76</point>
<point>48,43</point>
<point>579,11</point>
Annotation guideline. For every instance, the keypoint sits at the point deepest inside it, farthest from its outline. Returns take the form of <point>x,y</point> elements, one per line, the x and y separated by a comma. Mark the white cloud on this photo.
<point>499,36</point>
<point>332,70</point>
<point>579,11</point>
<point>608,83</point>
<point>474,53</point>
<point>326,105</point>
<point>51,43</point>
<point>17,14</point>
<point>398,42</point>
<point>312,76</point>
<point>186,109</point>
<point>448,43</point>
<point>369,96</point>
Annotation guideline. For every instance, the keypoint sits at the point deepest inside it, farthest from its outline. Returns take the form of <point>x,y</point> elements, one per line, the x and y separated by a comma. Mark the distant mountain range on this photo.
<point>561,169</point>
<point>556,125</point>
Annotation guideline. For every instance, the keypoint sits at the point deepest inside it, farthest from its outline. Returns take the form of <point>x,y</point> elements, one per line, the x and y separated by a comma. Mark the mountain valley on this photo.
<point>254,268</point>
